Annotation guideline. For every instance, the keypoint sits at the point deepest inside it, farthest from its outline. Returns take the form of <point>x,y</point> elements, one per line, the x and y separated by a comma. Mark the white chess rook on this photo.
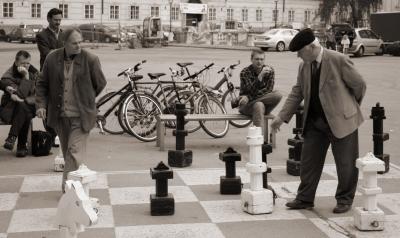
<point>369,217</point>
<point>74,211</point>
<point>256,200</point>
<point>85,176</point>
<point>59,162</point>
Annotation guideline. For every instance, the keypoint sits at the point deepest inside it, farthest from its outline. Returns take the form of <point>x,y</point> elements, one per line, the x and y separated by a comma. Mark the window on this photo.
<point>229,14</point>
<point>275,14</point>
<point>258,15</point>
<point>64,9</point>
<point>363,34</point>
<point>291,16</point>
<point>114,12</point>
<point>155,11</point>
<point>307,16</point>
<point>89,11</point>
<point>134,12</point>
<point>212,14</point>
<point>175,13</point>
<point>35,11</point>
<point>245,14</point>
<point>8,9</point>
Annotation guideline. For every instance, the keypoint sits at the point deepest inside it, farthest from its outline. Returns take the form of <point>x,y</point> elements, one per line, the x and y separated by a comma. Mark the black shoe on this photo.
<point>341,208</point>
<point>297,204</point>
<point>10,141</point>
<point>22,151</point>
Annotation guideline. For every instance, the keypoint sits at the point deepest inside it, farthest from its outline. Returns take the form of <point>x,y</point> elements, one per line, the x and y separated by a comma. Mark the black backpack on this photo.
<point>41,143</point>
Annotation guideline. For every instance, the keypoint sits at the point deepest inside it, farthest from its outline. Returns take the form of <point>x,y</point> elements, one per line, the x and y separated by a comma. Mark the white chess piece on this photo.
<point>256,200</point>
<point>369,217</point>
<point>85,176</point>
<point>59,162</point>
<point>75,211</point>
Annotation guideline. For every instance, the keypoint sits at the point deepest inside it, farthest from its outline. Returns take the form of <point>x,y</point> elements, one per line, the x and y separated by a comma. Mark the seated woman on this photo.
<point>18,101</point>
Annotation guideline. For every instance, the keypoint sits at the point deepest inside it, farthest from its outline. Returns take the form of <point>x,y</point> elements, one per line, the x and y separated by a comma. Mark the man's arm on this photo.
<point>42,87</point>
<point>353,79</point>
<point>43,45</point>
<point>98,80</point>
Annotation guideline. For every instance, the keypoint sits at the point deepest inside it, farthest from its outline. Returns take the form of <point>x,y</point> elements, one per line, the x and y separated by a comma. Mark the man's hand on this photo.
<point>261,75</point>
<point>15,98</point>
<point>10,89</point>
<point>276,124</point>
<point>22,70</point>
<point>243,100</point>
<point>41,113</point>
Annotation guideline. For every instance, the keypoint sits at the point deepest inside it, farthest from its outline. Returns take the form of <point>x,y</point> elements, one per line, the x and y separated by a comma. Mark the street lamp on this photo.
<point>276,12</point>
<point>170,14</point>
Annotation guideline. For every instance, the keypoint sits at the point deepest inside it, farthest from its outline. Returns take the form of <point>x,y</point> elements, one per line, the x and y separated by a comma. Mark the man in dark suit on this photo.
<point>71,80</point>
<point>48,40</point>
<point>332,90</point>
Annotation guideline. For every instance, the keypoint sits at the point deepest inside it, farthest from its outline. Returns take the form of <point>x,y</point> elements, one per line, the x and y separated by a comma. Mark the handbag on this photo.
<point>41,143</point>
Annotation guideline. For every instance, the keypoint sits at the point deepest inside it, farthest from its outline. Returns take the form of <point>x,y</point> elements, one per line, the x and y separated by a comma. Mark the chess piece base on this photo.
<point>180,158</point>
<point>257,202</point>
<point>59,164</point>
<point>293,167</point>
<point>230,185</point>
<point>369,220</point>
<point>162,206</point>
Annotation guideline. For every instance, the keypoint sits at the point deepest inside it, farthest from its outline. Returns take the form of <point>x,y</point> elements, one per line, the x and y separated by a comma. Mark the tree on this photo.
<point>353,8</point>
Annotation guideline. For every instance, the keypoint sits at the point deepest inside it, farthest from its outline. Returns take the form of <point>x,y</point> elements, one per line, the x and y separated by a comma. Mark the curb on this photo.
<point>219,47</point>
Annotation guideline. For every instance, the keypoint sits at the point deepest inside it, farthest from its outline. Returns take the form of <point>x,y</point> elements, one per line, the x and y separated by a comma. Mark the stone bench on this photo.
<point>161,119</point>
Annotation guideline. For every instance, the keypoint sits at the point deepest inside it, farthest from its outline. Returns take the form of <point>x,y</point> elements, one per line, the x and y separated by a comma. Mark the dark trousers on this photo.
<point>317,138</point>
<point>50,130</point>
<point>22,117</point>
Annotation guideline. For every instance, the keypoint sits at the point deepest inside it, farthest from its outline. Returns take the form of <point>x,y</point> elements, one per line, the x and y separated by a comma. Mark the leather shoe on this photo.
<point>297,204</point>
<point>341,208</point>
<point>22,152</point>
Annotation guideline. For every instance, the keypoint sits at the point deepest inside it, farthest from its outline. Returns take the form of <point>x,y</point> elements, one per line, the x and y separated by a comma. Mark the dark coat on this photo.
<point>46,42</point>
<point>88,82</point>
<point>25,90</point>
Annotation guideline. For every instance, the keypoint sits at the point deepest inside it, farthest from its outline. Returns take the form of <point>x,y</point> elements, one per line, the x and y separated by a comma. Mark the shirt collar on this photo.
<point>319,57</point>
<point>55,32</point>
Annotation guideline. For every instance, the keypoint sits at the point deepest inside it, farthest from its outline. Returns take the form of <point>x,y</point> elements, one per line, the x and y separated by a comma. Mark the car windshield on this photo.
<point>28,30</point>
<point>271,32</point>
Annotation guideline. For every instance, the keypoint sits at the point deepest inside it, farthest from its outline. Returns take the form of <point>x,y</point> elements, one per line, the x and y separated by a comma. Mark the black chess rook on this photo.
<point>162,203</point>
<point>180,157</point>
<point>378,115</point>
<point>230,183</point>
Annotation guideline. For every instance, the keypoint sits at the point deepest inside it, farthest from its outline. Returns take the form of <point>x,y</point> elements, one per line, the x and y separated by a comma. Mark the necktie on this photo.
<point>314,68</point>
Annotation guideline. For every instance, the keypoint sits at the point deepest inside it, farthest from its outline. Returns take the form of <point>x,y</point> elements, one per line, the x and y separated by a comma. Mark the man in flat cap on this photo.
<point>332,90</point>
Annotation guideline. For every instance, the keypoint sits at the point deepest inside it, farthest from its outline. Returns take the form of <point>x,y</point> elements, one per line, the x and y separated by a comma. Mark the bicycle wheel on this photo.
<point>211,105</point>
<point>140,116</point>
<point>190,104</point>
<point>110,122</point>
<point>227,98</point>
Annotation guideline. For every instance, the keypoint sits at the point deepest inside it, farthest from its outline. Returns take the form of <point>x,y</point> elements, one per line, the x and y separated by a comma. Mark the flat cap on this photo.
<point>301,39</point>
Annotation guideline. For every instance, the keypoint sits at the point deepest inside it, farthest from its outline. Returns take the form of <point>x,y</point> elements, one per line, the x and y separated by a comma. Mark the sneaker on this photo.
<point>10,141</point>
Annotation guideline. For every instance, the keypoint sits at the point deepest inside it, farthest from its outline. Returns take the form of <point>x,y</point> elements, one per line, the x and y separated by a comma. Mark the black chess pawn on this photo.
<point>161,203</point>
<point>230,183</point>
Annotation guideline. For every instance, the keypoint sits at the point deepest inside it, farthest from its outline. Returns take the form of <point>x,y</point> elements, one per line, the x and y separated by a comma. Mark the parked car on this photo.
<point>21,35</point>
<point>36,28</point>
<point>279,39</point>
<point>98,32</point>
<point>366,42</point>
<point>3,35</point>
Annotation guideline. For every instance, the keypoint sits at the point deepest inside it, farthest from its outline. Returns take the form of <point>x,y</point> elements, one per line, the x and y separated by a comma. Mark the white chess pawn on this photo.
<point>256,200</point>
<point>59,162</point>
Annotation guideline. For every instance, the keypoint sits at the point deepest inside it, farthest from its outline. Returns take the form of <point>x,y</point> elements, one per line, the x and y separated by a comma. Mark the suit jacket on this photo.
<point>341,90</point>
<point>46,42</point>
<point>88,82</point>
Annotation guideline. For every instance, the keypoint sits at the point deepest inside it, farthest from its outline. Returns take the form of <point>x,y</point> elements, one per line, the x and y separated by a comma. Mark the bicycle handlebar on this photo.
<point>198,73</point>
<point>232,66</point>
<point>135,68</point>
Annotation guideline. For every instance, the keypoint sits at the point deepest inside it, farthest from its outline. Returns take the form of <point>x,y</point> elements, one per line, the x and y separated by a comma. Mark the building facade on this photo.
<point>219,13</point>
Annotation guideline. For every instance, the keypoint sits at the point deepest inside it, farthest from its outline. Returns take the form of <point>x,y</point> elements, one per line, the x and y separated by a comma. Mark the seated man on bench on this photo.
<point>257,97</point>
<point>18,101</point>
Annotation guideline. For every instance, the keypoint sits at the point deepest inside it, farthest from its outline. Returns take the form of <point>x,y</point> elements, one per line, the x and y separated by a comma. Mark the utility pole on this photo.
<point>276,12</point>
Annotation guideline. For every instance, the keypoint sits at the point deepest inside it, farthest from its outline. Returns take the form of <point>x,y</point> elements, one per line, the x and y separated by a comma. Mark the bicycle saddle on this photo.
<point>184,64</point>
<point>136,77</point>
<point>155,75</point>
